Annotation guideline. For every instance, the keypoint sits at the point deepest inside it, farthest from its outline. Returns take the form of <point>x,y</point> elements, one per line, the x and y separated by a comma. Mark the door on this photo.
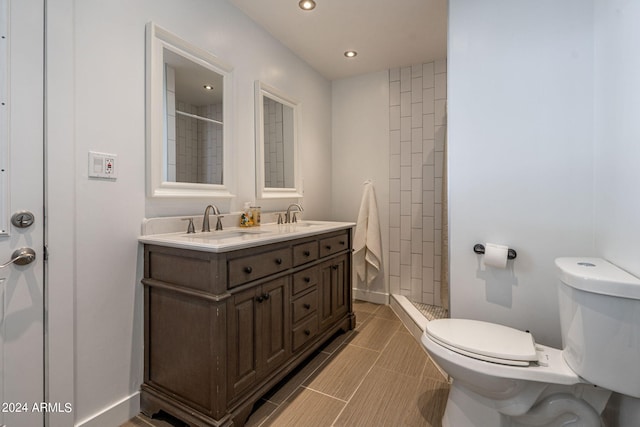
<point>21,192</point>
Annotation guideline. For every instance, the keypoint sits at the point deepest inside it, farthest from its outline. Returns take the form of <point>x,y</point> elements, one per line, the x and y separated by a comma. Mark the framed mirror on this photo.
<point>277,168</point>
<point>189,139</point>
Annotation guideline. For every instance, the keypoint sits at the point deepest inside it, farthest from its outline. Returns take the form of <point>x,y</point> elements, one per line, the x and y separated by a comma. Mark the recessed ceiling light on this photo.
<point>307,4</point>
<point>350,53</point>
<point>208,87</point>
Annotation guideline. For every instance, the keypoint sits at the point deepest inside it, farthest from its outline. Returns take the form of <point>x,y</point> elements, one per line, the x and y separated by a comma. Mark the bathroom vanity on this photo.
<point>229,314</point>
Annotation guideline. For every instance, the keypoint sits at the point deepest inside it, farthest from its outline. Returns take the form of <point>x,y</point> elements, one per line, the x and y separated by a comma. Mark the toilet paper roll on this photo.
<point>495,255</point>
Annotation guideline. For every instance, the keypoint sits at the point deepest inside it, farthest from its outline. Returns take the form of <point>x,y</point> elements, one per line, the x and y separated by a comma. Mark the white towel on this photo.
<point>367,246</point>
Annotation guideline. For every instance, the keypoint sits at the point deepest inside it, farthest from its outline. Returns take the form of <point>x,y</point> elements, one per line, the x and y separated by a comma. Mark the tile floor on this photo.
<point>376,375</point>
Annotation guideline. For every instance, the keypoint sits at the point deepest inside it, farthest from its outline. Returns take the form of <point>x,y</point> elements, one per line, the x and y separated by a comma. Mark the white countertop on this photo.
<point>232,238</point>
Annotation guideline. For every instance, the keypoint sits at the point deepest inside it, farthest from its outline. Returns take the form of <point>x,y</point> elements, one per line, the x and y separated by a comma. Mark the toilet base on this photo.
<point>557,406</point>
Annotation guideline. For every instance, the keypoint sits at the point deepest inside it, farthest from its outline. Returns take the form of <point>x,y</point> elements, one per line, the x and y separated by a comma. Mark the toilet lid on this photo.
<point>485,341</point>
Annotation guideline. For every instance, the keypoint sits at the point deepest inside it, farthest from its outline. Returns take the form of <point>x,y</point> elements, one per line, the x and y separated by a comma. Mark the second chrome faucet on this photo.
<point>205,220</point>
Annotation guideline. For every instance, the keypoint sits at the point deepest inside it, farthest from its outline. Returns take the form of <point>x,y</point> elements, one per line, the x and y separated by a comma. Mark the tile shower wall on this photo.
<point>417,130</point>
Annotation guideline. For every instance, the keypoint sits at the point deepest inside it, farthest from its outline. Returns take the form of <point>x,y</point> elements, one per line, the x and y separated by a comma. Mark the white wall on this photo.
<point>96,101</point>
<point>360,132</point>
<point>617,132</point>
<point>520,98</point>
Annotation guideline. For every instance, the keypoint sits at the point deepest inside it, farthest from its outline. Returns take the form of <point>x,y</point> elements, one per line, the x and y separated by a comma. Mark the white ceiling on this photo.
<point>385,33</point>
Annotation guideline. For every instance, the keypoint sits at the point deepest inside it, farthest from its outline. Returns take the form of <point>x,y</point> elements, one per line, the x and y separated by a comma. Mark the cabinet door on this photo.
<point>242,368</point>
<point>340,285</point>
<point>333,288</point>
<point>273,340</point>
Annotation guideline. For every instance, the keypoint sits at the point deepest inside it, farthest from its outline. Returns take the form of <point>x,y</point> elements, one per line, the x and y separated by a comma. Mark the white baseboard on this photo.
<point>371,296</point>
<point>116,414</point>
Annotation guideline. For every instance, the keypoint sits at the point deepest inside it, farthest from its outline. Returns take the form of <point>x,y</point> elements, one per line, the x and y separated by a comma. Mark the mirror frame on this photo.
<point>262,192</point>
<point>159,39</point>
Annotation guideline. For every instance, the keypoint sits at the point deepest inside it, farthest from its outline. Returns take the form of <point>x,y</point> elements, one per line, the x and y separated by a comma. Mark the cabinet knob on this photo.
<point>260,298</point>
<point>248,270</point>
<point>307,279</point>
<point>335,266</point>
<point>306,253</point>
<point>265,296</point>
<point>307,306</point>
<point>278,261</point>
<point>307,332</point>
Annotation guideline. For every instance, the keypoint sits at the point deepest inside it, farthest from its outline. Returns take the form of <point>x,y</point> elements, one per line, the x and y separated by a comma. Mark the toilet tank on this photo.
<point>600,322</point>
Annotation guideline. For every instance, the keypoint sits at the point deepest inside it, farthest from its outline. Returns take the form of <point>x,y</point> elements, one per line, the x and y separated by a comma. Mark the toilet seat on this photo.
<point>485,341</point>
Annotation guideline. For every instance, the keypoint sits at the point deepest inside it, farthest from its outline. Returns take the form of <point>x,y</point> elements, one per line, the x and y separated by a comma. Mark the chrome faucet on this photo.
<point>287,217</point>
<point>205,221</point>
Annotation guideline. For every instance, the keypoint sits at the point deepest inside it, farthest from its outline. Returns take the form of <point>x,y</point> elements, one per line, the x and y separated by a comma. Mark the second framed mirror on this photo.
<point>277,168</point>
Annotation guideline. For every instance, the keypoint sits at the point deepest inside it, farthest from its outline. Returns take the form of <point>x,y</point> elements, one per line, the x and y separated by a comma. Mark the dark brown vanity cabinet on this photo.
<point>221,329</point>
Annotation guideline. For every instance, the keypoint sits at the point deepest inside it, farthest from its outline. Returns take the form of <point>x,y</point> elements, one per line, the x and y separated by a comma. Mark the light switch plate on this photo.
<point>103,165</point>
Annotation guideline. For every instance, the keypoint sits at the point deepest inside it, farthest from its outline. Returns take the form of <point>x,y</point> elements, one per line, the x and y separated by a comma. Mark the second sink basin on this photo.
<point>222,234</point>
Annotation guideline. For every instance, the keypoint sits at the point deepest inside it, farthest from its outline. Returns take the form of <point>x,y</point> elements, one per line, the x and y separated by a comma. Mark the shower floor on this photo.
<point>431,312</point>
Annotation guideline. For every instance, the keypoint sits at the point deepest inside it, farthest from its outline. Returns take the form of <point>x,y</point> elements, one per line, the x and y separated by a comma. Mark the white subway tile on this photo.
<point>394,214</point>
<point>394,93</point>
<point>394,118</point>
<point>441,112</point>
<point>428,126</point>
<point>416,70</point>
<point>405,79</point>
<point>428,152</point>
<point>416,115</point>
<point>416,89</point>
<point>405,104</point>
<point>428,72</point>
<point>405,129</point>
<point>394,74</point>
<point>428,99</point>
<point>441,86</point>
<point>394,141</point>
<point>394,166</point>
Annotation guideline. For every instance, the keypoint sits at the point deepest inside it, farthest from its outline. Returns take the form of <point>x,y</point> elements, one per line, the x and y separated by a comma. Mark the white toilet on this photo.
<point>501,377</point>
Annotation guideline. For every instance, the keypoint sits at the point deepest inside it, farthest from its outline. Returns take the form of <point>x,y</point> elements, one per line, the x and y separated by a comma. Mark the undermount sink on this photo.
<point>222,234</point>
<point>303,224</point>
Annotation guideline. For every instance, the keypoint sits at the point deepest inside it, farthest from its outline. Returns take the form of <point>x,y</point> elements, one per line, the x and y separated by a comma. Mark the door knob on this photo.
<point>22,256</point>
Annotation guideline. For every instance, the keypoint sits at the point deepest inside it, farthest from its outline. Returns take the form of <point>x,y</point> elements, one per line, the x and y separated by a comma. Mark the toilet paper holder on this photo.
<point>479,249</point>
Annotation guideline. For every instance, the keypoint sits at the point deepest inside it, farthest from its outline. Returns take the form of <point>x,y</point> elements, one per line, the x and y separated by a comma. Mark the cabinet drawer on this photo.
<point>332,245</point>
<point>304,306</point>
<point>246,269</point>
<point>305,252</point>
<point>305,332</point>
<point>305,279</point>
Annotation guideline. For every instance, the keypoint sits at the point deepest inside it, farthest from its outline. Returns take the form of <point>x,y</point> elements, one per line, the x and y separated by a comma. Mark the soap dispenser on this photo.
<point>245,219</point>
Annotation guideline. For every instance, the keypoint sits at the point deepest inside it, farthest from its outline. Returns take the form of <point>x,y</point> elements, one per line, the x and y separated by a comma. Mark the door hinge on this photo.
<point>45,253</point>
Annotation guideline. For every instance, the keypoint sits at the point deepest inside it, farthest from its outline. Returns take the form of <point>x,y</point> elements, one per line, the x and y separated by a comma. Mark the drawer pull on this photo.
<point>307,332</point>
<point>342,242</point>
<point>307,280</point>
<point>278,261</point>
<point>335,266</point>
<point>307,306</point>
<point>328,247</point>
<point>248,270</point>
<point>306,253</point>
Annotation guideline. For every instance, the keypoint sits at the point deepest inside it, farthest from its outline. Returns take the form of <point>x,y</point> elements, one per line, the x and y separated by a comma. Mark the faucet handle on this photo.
<point>219,223</point>
<point>190,228</point>
<point>280,221</point>
<point>295,218</point>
